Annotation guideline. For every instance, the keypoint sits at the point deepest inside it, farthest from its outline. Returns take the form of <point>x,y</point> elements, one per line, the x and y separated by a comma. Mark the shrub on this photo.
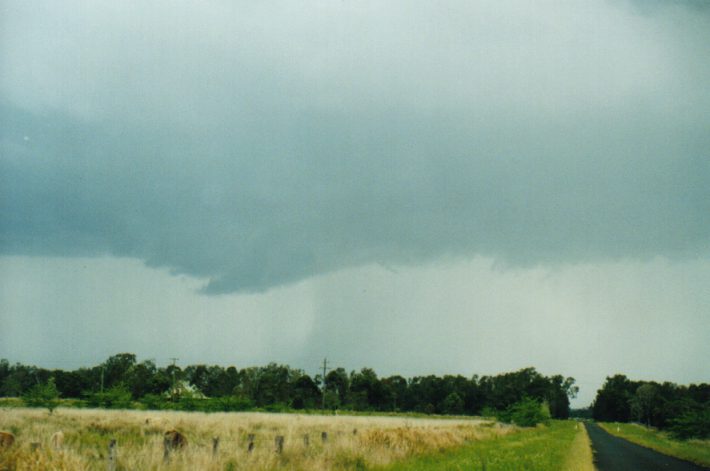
<point>277,407</point>
<point>43,395</point>
<point>526,413</point>
<point>216,404</point>
<point>117,397</point>
<point>235,403</point>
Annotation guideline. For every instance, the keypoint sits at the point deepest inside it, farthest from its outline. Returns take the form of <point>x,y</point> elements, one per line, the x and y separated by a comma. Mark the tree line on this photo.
<point>682,410</point>
<point>122,381</point>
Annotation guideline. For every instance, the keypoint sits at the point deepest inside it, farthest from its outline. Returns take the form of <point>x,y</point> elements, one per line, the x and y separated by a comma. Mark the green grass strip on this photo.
<point>697,451</point>
<point>544,448</point>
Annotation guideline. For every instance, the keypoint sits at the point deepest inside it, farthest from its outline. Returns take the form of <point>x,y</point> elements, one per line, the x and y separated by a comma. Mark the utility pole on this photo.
<point>102,378</point>
<point>325,369</point>
<point>173,374</point>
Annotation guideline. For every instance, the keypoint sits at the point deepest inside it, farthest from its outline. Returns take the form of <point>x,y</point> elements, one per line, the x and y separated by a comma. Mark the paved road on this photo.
<point>616,454</point>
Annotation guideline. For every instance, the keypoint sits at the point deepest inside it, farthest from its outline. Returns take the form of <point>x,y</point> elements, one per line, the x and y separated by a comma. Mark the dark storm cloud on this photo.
<point>654,5</point>
<point>259,146</point>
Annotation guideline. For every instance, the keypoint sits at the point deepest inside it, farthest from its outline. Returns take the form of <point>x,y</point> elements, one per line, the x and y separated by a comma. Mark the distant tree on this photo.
<point>273,385</point>
<point>683,410</point>
<point>560,391</point>
<point>141,380</point>
<point>43,395</point>
<point>692,424</point>
<point>453,404</point>
<point>4,372</point>
<point>367,391</point>
<point>582,413</point>
<point>612,402</point>
<point>395,389</point>
<point>115,397</point>
<point>699,393</point>
<point>427,393</point>
<point>71,383</point>
<point>18,380</point>
<point>198,376</point>
<point>117,368</point>
<point>643,403</point>
<point>305,393</point>
<point>509,388</point>
<point>337,382</point>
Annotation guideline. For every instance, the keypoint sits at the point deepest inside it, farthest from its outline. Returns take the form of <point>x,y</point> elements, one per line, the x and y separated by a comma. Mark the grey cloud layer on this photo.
<point>257,146</point>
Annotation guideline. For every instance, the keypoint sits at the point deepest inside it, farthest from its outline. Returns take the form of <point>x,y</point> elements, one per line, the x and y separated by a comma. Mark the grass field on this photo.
<point>352,443</point>
<point>697,451</point>
<point>561,445</point>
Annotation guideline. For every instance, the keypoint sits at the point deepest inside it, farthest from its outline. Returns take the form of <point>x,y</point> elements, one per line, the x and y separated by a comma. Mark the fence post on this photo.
<point>324,436</point>
<point>215,446</point>
<point>279,442</point>
<point>251,438</point>
<point>112,455</point>
<point>166,449</point>
<point>306,440</point>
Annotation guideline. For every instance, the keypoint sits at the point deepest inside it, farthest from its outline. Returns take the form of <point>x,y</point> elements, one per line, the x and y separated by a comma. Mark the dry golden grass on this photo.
<point>580,457</point>
<point>353,442</point>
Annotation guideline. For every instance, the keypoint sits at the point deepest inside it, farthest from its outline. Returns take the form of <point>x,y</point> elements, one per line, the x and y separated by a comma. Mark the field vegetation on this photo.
<point>352,442</point>
<point>557,446</point>
<point>696,450</point>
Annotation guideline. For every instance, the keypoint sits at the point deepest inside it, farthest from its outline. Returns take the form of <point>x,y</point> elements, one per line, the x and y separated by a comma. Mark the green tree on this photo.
<point>453,404</point>
<point>526,413</point>
<point>612,402</point>
<point>116,397</point>
<point>117,369</point>
<point>395,388</point>
<point>338,383</point>
<point>43,395</point>
<point>366,390</point>
<point>692,424</point>
<point>559,392</point>
<point>141,379</point>
<point>305,393</point>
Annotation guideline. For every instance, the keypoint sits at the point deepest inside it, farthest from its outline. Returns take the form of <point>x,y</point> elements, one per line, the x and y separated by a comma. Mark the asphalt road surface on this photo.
<point>616,454</point>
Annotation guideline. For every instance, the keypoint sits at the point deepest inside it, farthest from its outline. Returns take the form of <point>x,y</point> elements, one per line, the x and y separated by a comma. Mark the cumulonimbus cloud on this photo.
<point>257,146</point>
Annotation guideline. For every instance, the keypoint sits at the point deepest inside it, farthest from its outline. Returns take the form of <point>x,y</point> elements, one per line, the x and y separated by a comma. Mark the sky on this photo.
<point>417,187</point>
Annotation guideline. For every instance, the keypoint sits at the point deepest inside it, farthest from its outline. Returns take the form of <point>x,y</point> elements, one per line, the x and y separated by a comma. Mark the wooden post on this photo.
<point>324,436</point>
<point>306,440</point>
<point>354,431</point>
<point>166,449</point>
<point>279,442</point>
<point>215,446</point>
<point>112,455</point>
<point>250,439</point>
